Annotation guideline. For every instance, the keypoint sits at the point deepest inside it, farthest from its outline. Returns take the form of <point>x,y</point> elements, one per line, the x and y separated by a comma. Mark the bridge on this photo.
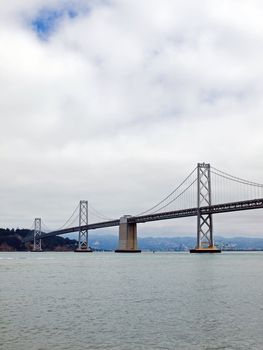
<point>197,187</point>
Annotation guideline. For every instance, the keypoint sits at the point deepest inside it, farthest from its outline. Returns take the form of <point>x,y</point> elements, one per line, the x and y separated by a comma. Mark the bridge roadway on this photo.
<point>213,209</point>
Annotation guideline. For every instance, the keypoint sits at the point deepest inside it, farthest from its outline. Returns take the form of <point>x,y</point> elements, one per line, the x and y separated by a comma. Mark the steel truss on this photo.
<point>37,235</point>
<point>83,221</point>
<point>204,220</point>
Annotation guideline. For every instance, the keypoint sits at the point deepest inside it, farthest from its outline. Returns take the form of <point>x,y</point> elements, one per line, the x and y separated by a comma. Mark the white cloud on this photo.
<point>122,101</point>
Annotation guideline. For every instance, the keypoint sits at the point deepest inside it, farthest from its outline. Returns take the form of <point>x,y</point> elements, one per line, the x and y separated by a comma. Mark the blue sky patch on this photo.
<point>47,21</point>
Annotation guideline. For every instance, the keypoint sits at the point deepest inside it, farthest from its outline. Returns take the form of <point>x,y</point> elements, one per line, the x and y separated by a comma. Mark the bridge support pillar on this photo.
<point>127,236</point>
<point>83,246</point>
<point>205,239</point>
<point>37,234</point>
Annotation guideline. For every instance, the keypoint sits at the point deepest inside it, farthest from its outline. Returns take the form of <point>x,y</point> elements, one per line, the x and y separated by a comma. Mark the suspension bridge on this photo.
<point>204,192</point>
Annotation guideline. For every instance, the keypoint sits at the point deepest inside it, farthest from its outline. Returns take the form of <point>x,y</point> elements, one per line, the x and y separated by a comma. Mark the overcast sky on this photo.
<point>116,101</point>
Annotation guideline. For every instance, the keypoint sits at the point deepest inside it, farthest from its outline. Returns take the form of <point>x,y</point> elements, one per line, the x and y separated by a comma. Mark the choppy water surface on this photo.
<point>75,301</point>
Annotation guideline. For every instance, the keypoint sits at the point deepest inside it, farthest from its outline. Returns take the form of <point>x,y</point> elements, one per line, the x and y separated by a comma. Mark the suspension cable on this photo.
<point>32,226</point>
<point>174,199</point>
<point>235,178</point>
<point>73,220</point>
<point>73,213</point>
<point>45,226</point>
<point>168,196</point>
<point>98,214</point>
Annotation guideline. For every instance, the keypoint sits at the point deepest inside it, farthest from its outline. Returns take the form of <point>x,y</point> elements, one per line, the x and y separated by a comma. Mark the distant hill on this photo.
<point>12,240</point>
<point>177,243</point>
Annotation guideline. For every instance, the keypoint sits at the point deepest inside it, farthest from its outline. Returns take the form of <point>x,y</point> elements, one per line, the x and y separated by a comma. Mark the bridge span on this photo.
<point>196,188</point>
<point>133,220</point>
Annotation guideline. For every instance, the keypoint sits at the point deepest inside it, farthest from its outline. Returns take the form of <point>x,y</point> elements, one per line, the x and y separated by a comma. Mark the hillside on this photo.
<point>12,240</point>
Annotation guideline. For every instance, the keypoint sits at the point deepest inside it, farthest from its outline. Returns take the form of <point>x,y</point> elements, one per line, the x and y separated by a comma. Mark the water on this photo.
<point>149,301</point>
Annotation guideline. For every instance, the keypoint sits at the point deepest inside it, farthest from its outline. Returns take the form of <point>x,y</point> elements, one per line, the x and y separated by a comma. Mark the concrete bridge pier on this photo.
<point>127,236</point>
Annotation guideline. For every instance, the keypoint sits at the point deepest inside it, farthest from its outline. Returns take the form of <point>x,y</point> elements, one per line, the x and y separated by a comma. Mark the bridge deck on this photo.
<point>213,209</point>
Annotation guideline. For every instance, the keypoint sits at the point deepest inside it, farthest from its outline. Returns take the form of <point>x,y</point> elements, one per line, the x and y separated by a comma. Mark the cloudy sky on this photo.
<point>116,101</point>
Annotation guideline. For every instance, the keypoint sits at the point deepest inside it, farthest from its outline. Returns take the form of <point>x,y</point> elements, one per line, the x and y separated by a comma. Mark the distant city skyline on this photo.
<point>115,102</point>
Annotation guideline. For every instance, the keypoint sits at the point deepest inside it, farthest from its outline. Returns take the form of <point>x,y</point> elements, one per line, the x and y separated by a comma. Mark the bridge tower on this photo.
<point>205,239</point>
<point>37,234</point>
<point>83,245</point>
<point>127,236</point>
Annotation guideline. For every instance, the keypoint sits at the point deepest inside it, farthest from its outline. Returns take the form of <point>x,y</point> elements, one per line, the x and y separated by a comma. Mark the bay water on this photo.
<point>60,301</point>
